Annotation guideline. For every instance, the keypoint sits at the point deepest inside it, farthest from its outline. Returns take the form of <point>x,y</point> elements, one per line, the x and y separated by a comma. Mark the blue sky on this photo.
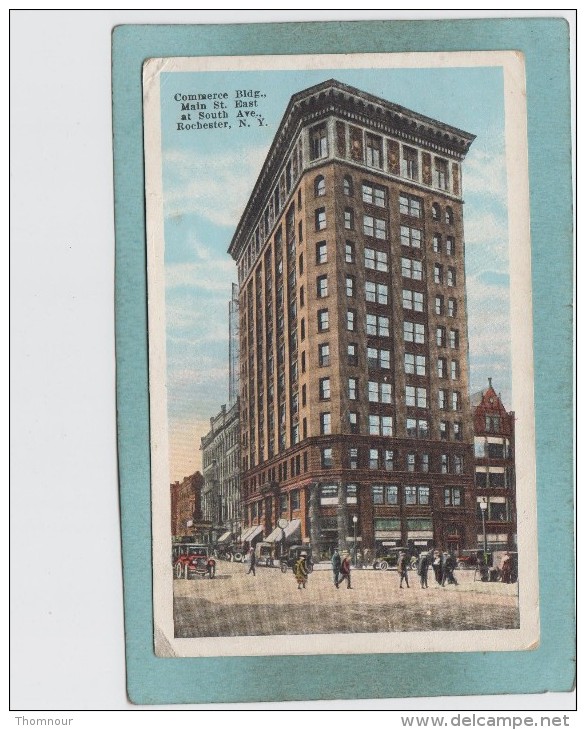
<point>208,176</point>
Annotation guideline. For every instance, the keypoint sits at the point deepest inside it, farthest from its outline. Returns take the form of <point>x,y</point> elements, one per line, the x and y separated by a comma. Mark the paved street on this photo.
<point>236,604</point>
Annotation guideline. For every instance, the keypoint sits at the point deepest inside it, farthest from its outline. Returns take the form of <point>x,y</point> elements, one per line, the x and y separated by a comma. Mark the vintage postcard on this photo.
<point>340,354</point>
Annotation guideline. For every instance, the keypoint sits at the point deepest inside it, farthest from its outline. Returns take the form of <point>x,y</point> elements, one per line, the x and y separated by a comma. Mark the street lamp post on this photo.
<point>354,522</point>
<point>483,508</point>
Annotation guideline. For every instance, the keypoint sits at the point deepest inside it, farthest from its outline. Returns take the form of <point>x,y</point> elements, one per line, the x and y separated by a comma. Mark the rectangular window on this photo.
<point>437,243</point>
<point>413,300</point>
<point>457,430</point>
<point>321,252</point>
<point>410,495</point>
<point>439,304</point>
<point>378,293</point>
<point>441,174</point>
<point>352,353</point>
<point>324,389</point>
<point>437,274</point>
<point>412,269</point>
<point>413,332</point>
<point>351,320</point>
<point>350,280</point>
<point>373,459</point>
<point>452,307</point>
<point>414,364</point>
<point>409,163</point>
<point>376,260</point>
<point>450,247</point>
<point>295,502</point>
<point>424,462</point>
<point>440,336</point>
<point>374,195</point>
<point>410,206</point>
<point>349,252</point>
<point>377,493</point>
<point>456,405</point>
<point>391,494</point>
<point>451,276</point>
<point>410,462</point>
<point>374,147</point>
<point>353,458</point>
<point>318,142</point>
<point>389,460</point>
<point>322,286</point>
<point>327,458</point>
<point>441,367</point>
<point>323,320</point>
<point>352,388</point>
<point>454,370</point>
<point>442,399</point>
<point>452,497</point>
<point>458,464</point>
<point>349,219</point>
<point>444,464</point>
<point>325,423</point>
<point>376,227</point>
<point>324,355</point>
<point>454,339</point>
<point>353,421</point>
<point>320,219</point>
<point>411,237</point>
<point>416,397</point>
<point>423,495</point>
<point>443,430</point>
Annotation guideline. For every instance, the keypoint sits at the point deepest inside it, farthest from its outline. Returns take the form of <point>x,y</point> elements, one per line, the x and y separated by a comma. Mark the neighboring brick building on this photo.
<point>221,468</point>
<point>353,328</point>
<point>186,505</point>
<point>494,451</point>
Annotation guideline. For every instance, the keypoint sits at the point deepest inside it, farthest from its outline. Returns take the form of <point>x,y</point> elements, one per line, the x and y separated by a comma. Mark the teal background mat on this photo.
<point>153,680</point>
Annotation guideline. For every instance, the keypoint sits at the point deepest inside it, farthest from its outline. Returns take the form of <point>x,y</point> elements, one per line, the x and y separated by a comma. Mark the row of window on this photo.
<point>380,458</point>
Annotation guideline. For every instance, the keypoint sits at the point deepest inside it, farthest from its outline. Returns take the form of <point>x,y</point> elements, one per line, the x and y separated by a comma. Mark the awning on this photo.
<point>224,538</point>
<point>253,532</point>
<point>293,527</point>
<point>275,535</point>
<point>246,533</point>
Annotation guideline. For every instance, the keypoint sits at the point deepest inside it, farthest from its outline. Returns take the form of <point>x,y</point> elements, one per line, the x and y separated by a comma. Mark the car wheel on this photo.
<point>384,565</point>
<point>238,557</point>
<point>178,570</point>
<point>212,571</point>
<point>283,567</point>
<point>310,568</point>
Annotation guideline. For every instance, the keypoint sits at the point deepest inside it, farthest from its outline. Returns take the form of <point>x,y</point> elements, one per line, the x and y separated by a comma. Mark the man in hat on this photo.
<point>402,568</point>
<point>251,562</point>
<point>336,565</point>
<point>345,568</point>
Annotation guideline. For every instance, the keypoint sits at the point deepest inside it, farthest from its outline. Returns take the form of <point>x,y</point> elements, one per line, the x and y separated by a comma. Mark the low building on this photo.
<point>494,464</point>
<point>186,506</point>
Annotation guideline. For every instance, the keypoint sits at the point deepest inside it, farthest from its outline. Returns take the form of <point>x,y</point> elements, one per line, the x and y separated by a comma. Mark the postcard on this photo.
<point>340,354</point>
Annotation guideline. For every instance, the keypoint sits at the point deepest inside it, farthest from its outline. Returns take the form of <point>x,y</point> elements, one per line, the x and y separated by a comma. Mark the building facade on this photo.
<point>494,456</point>
<point>221,470</point>
<point>355,412</point>
<point>186,506</point>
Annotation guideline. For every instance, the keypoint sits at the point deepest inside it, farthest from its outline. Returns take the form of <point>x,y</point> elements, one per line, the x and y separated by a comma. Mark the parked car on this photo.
<point>264,552</point>
<point>388,558</point>
<point>191,560</point>
<point>288,561</point>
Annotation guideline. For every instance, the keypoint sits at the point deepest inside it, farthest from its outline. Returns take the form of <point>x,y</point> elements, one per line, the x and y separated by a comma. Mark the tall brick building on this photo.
<point>186,506</point>
<point>353,328</point>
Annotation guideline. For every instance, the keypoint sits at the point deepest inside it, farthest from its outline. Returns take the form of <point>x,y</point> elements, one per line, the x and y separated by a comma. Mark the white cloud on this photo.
<point>219,197</point>
<point>485,172</point>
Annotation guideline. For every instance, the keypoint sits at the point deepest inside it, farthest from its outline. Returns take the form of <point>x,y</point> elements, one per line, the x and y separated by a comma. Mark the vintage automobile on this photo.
<point>288,560</point>
<point>264,552</point>
<point>389,557</point>
<point>191,561</point>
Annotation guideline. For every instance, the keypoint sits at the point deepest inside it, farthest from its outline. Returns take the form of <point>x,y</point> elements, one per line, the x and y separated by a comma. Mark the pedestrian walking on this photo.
<point>448,566</point>
<point>507,569</point>
<point>251,562</point>
<point>300,571</point>
<point>424,560</point>
<point>336,565</point>
<point>345,568</point>
<point>402,566</point>
<point>437,566</point>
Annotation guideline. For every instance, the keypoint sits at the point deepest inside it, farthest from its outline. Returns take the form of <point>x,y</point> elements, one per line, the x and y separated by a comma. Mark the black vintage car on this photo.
<point>288,560</point>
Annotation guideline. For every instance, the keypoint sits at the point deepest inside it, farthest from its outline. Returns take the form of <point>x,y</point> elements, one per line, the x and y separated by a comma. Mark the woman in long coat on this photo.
<point>300,571</point>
